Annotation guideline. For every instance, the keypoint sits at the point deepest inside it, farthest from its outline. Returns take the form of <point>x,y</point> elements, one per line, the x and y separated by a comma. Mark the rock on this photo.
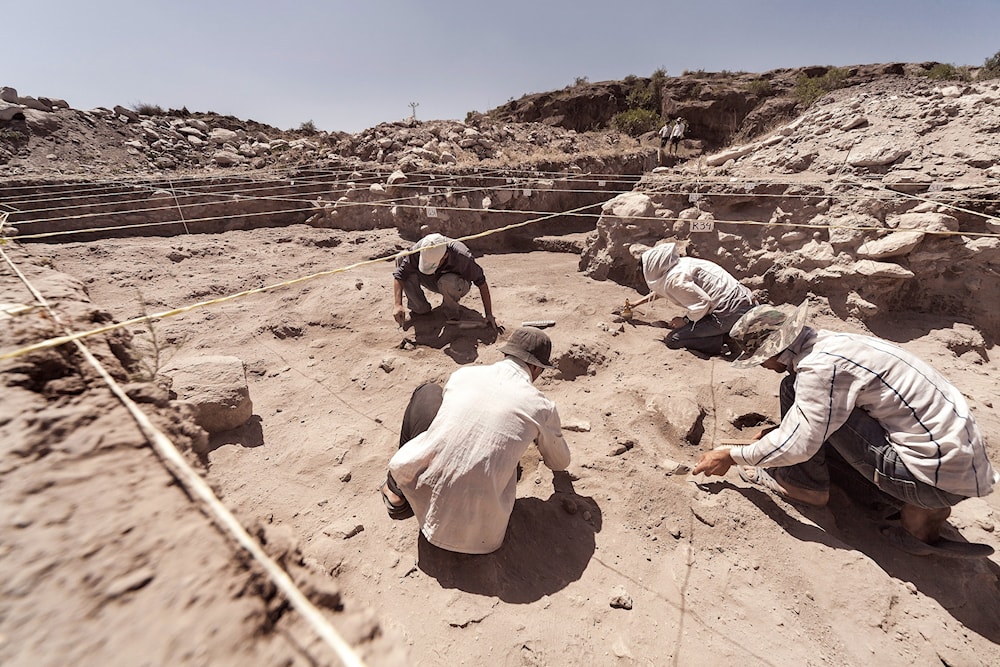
<point>895,244</point>
<point>872,269</point>
<point>859,307</point>
<point>33,103</point>
<point>11,111</point>
<point>907,181</point>
<point>41,122</point>
<point>619,448</point>
<point>223,136</point>
<point>925,222</point>
<point>671,467</point>
<point>216,386</point>
<point>629,205</point>
<point>727,155</point>
<point>127,113</point>
<point>226,158</point>
<point>576,426</point>
<point>132,581</point>
<point>620,599</point>
<point>344,529</point>
<point>876,153</point>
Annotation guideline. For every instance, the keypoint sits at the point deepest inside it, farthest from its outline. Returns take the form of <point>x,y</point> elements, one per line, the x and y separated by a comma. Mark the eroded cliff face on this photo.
<point>881,198</point>
<point>720,107</point>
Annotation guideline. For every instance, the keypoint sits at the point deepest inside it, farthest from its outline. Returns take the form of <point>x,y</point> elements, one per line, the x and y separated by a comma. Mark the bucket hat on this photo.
<point>530,345</point>
<point>765,331</point>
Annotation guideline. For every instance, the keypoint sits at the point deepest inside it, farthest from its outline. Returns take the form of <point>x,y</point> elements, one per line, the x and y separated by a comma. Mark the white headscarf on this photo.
<point>656,262</point>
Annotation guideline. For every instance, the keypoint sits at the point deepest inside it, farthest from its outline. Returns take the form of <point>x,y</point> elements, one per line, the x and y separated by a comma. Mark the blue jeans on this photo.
<point>861,444</point>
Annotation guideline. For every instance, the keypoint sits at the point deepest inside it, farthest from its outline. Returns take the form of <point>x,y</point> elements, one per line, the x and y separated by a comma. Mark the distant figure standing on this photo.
<point>676,134</point>
<point>665,134</point>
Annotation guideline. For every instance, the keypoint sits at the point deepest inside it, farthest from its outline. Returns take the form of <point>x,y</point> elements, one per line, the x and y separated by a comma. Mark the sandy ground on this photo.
<point>617,562</point>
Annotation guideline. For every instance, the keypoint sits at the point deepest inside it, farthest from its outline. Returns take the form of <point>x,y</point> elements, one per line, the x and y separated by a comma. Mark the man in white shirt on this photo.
<point>456,468</point>
<point>860,401</point>
<point>713,299</point>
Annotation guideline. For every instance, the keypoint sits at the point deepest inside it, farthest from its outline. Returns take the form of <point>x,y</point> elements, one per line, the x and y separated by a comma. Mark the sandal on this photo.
<point>902,540</point>
<point>397,512</point>
<point>761,477</point>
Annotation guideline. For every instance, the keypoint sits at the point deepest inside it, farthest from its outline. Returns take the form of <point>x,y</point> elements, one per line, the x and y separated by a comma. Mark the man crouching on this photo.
<point>456,467</point>
<point>865,402</point>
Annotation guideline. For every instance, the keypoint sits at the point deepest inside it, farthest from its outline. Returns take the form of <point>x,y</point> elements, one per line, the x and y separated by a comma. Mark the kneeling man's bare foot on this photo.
<point>769,479</point>
<point>924,524</point>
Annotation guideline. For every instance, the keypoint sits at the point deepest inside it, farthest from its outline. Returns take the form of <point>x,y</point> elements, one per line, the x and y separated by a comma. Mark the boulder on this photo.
<point>41,122</point>
<point>127,113</point>
<point>895,244</point>
<point>222,136</point>
<point>629,205</point>
<point>32,103</point>
<point>226,158</point>
<point>10,111</point>
<point>216,386</point>
<point>924,222</point>
<point>876,153</point>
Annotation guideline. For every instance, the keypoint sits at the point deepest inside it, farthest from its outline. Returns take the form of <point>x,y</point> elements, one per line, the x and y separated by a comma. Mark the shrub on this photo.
<point>635,122</point>
<point>581,81</point>
<point>946,72</point>
<point>641,98</point>
<point>991,67</point>
<point>10,135</point>
<point>144,109</point>
<point>308,127</point>
<point>809,89</point>
<point>760,87</point>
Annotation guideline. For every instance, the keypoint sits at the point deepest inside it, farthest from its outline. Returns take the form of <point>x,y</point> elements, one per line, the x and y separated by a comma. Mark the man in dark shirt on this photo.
<point>443,266</point>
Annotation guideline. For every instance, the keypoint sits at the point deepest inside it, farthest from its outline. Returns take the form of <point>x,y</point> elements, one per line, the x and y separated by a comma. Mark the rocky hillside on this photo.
<point>720,107</point>
<point>43,137</point>
<point>883,197</point>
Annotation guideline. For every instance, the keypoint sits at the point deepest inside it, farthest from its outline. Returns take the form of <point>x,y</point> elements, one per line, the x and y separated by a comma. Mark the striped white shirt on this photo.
<point>926,419</point>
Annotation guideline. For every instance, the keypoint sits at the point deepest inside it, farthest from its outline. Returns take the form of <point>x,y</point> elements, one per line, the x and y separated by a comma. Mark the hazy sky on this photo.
<point>351,65</point>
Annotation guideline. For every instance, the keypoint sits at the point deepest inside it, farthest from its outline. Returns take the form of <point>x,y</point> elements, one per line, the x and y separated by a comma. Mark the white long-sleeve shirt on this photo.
<point>460,474</point>
<point>926,419</point>
<point>703,287</point>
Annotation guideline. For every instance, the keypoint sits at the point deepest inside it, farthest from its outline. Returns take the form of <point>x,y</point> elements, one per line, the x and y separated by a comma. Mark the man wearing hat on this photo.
<point>866,406</point>
<point>444,266</point>
<point>456,467</point>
